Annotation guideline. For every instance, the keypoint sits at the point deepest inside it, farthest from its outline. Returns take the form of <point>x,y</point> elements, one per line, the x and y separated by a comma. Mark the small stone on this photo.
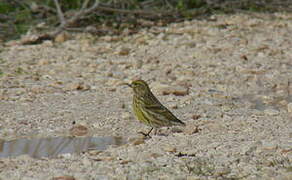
<point>191,129</point>
<point>126,115</point>
<point>72,86</point>
<point>176,130</point>
<point>94,152</point>
<point>170,149</point>
<point>155,155</point>
<point>124,51</point>
<point>29,39</point>
<point>142,40</point>
<point>123,105</point>
<point>125,161</point>
<point>48,43</point>
<point>109,74</point>
<point>167,90</point>
<point>112,89</point>
<point>177,91</point>
<point>62,37</point>
<point>173,105</point>
<point>196,116</point>
<point>138,142</point>
<point>76,86</point>
<point>64,178</point>
<point>159,87</point>
<point>43,62</point>
<point>91,29</point>
<point>104,159</point>
<point>107,38</point>
<point>56,84</point>
<point>78,130</point>
<point>285,151</point>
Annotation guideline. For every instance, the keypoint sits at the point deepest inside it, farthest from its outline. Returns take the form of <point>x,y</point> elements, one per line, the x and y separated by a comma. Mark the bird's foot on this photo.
<point>146,135</point>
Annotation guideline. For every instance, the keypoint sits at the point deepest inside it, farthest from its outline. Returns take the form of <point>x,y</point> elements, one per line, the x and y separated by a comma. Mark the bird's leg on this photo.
<point>149,131</point>
<point>155,131</point>
<point>147,134</point>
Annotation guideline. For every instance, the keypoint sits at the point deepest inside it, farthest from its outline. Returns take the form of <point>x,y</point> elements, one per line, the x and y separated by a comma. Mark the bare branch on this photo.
<point>77,16</point>
<point>60,13</point>
<point>84,5</point>
<point>85,11</point>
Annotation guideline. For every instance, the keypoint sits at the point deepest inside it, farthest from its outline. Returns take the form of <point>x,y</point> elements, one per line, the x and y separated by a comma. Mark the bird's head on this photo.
<point>140,87</point>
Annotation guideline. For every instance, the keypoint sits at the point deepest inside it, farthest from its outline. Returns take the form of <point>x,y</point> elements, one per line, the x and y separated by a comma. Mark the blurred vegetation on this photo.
<point>17,17</point>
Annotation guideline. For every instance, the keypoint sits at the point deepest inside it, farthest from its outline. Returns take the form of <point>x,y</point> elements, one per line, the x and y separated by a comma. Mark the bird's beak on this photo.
<point>127,84</point>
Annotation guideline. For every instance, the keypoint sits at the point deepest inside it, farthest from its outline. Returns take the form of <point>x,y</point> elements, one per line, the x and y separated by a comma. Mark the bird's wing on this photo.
<point>158,111</point>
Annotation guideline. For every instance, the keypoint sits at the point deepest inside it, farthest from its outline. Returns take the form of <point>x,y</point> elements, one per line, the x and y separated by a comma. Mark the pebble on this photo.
<point>126,116</point>
<point>64,178</point>
<point>137,141</point>
<point>62,37</point>
<point>170,149</point>
<point>167,90</point>
<point>123,51</point>
<point>76,86</point>
<point>155,155</point>
<point>191,129</point>
<point>78,130</point>
<point>196,116</point>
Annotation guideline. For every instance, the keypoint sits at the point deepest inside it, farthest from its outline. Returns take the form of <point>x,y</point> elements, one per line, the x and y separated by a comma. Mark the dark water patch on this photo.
<point>54,146</point>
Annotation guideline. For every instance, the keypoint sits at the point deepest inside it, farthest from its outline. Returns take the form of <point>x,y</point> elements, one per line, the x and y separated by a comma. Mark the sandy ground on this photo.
<point>228,77</point>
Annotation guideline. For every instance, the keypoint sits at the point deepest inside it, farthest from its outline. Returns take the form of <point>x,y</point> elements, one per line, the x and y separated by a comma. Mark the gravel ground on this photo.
<point>229,78</point>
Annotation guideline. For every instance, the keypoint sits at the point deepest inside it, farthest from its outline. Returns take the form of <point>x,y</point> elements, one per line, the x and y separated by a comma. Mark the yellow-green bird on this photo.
<point>149,110</point>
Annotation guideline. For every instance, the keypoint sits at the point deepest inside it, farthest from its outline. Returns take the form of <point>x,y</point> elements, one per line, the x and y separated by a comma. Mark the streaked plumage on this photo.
<point>148,109</point>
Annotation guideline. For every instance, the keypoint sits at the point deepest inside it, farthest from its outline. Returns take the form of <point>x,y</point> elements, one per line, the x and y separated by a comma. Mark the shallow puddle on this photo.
<point>54,146</point>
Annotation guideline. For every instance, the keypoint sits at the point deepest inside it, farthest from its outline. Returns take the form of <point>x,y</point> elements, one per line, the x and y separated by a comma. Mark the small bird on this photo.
<point>149,110</point>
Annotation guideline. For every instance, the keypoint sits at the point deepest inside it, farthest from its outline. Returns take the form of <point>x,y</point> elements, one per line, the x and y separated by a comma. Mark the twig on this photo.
<point>64,24</point>
<point>67,23</point>
<point>77,16</point>
<point>84,5</point>
<point>168,4</point>
<point>60,13</point>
